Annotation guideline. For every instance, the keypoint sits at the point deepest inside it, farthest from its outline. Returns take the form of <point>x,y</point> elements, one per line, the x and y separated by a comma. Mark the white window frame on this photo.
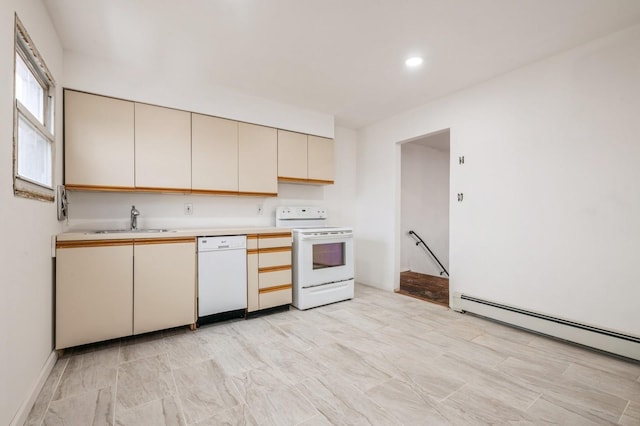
<point>24,46</point>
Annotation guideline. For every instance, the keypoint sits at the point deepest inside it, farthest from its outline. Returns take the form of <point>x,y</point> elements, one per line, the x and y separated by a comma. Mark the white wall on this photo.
<point>26,227</point>
<point>549,220</point>
<point>168,88</point>
<point>88,210</point>
<point>26,305</point>
<point>424,208</point>
<point>158,86</point>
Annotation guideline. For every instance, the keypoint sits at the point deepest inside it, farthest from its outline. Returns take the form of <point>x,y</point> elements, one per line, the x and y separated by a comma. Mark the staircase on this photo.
<point>425,287</point>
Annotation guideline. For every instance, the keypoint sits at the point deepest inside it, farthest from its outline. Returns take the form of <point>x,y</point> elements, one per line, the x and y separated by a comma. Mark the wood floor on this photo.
<point>425,287</point>
<point>379,359</point>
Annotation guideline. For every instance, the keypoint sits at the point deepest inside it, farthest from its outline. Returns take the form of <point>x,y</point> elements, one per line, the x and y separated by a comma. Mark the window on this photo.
<point>33,140</point>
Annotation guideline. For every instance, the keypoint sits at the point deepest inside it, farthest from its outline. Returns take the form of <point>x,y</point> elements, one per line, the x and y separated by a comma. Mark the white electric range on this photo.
<point>323,260</point>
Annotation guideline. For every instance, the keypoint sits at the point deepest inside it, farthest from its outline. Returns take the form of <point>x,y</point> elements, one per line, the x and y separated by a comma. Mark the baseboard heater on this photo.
<point>606,340</point>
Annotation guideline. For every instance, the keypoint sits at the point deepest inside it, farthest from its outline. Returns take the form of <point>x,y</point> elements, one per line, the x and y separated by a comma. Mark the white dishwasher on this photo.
<point>222,278</point>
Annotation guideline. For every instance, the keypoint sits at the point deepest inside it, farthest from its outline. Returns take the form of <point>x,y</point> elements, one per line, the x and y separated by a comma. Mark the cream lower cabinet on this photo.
<point>269,271</point>
<point>114,288</point>
<point>94,291</point>
<point>164,290</point>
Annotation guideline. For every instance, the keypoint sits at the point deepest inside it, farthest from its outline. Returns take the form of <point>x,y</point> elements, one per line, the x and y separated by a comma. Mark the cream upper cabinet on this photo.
<point>119,145</point>
<point>214,154</point>
<point>320,159</point>
<point>164,284</point>
<point>257,159</point>
<point>162,148</point>
<point>292,155</point>
<point>304,158</point>
<point>98,142</point>
<point>94,292</point>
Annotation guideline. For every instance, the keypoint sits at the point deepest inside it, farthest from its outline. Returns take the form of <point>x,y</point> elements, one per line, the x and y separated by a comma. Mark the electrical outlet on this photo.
<point>188,209</point>
<point>260,210</point>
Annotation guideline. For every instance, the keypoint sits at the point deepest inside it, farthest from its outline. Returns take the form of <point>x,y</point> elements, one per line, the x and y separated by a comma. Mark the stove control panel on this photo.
<point>301,213</point>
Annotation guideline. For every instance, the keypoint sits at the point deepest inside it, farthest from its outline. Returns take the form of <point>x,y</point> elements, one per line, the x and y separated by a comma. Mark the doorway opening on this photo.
<point>424,207</point>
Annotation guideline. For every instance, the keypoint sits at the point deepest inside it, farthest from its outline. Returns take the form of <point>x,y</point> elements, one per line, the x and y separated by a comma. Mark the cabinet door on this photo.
<point>252,282</point>
<point>164,293</point>
<point>94,293</point>
<point>162,148</point>
<point>98,142</point>
<point>214,154</point>
<point>320,159</point>
<point>292,156</point>
<point>258,159</point>
<point>252,273</point>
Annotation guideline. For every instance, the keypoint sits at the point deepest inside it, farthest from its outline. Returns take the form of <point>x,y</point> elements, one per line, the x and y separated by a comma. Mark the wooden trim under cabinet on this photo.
<point>232,193</point>
<point>280,235</point>
<point>274,268</point>
<point>164,240</point>
<point>74,187</point>
<point>93,243</point>
<point>276,288</point>
<point>258,194</point>
<point>285,179</point>
<point>320,181</point>
<point>275,249</point>
<point>252,251</point>
<point>163,190</point>
<point>213,192</point>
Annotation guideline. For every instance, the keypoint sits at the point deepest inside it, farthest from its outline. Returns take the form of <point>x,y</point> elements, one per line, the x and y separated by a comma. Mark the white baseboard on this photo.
<point>25,408</point>
<point>594,337</point>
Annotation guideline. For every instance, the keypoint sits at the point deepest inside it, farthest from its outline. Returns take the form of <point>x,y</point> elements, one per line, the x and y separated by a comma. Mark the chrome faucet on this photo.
<point>134,218</point>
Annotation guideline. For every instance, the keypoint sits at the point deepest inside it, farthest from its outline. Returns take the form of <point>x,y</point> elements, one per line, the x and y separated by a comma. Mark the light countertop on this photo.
<point>171,233</point>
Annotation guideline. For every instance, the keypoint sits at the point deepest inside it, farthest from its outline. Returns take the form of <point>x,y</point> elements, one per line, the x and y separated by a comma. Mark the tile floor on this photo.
<point>381,359</point>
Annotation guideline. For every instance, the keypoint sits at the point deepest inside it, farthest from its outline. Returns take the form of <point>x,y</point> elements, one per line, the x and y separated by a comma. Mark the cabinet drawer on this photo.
<point>274,258</point>
<point>274,278</point>
<point>275,298</point>
<point>274,240</point>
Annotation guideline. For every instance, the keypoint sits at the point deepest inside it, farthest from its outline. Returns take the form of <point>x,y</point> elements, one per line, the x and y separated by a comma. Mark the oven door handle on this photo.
<point>326,237</point>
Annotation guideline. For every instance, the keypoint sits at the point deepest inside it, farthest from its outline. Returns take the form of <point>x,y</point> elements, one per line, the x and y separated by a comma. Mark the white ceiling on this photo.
<point>340,57</point>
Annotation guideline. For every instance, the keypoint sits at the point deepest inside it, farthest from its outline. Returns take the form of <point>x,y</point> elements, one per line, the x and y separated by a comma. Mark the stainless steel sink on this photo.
<point>127,231</point>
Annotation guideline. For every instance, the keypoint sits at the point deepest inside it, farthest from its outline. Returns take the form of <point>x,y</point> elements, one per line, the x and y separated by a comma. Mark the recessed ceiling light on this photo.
<point>414,61</point>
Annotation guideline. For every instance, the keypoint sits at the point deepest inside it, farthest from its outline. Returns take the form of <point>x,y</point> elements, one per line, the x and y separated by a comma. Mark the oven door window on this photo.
<point>328,255</point>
